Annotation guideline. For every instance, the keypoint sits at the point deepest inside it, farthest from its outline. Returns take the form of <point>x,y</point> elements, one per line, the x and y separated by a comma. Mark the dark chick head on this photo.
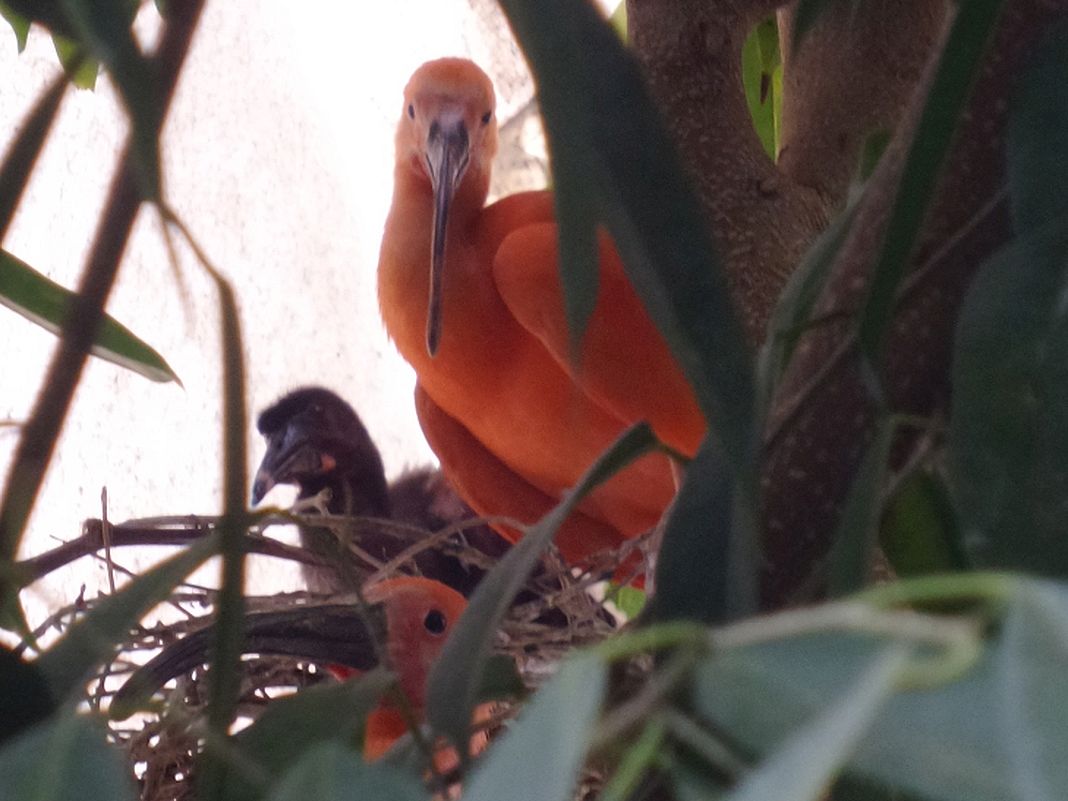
<point>316,441</point>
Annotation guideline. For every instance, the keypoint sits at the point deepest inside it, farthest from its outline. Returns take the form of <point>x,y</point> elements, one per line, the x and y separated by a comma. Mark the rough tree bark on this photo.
<point>853,74</point>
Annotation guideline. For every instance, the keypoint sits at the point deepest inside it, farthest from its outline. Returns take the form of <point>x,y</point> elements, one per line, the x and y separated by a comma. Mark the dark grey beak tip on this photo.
<point>260,488</point>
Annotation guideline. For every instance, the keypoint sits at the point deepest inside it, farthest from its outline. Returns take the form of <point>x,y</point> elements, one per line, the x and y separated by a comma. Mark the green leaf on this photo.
<point>705,570</point>
<point>69,663</point>
<point>104,27</point>
<point>452,688</point>
<point>919,532</point>
<point>760,59</point>
<point>330,772</point>
<point>612,157</point>
<point>293,727</point>
<point>855,537</point>
<point>22,155</point>
<point>629,600</point>
<point>20,25</point>
<point>805,765</point>
<point>80,69</point>
<point>958,65</point>
<point>539,758</point>
<point>24,695</point>
<point>996,732</point>
<point>64,759</point>
<point>1038,134</point>
<point>1008,433</point>
<point>45,302</point>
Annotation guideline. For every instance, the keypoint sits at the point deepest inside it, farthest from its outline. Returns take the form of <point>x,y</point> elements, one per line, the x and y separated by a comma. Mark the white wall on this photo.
<point>278,153</point>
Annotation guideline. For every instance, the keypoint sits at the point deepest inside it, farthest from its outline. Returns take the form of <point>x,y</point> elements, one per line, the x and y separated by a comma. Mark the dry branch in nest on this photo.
<point>162,743</point>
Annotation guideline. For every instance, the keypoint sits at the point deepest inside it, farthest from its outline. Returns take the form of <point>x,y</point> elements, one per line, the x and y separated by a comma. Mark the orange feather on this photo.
<point>514,422</point>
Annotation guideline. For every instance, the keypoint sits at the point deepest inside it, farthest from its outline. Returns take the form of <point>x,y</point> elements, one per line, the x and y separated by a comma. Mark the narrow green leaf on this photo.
<point>597,110</point>
<point>919,532</point>
<point>22,155</point>
<point>64,759</point>
<point>972,27</point>
<point>20,25</point>
<point>452,688</point>
<point>293,727</point>
<point>42,301</point>
<point>540,756</point>
<point>858,526</point>
<point>706,569</point>
<point>805,765</point>
<point>1038,134</point>
<point>1008,433</point>
<point>69,663</point>
<point>331,772</point>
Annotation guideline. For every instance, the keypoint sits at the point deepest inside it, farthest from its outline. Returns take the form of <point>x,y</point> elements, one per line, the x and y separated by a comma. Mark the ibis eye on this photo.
<point>434,622</point>
<point>486,117</point>
<point>411,111</point>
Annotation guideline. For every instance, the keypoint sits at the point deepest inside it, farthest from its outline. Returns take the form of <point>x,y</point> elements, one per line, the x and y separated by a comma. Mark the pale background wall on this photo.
<point>278,153</point>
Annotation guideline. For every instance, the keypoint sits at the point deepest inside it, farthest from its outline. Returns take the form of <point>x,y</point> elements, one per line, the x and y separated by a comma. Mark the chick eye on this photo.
<point>434,622</point>
<point>486,117</point>
<point>411,111</point>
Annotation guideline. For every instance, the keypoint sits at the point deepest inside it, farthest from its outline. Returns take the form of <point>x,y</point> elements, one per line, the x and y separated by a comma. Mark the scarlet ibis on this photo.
<point>470,294</point>
<point>418,613</point>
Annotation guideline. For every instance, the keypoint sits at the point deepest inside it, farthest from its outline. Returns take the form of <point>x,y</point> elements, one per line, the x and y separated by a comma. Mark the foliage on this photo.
<point>948,685</point>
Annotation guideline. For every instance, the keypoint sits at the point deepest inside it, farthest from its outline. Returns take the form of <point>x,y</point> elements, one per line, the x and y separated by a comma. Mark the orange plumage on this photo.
<point>513,420</point>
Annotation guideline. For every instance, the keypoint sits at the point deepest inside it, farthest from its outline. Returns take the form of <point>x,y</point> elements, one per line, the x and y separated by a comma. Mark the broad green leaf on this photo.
<point>994,733</point>
<point>46,12</point>
<point>66,758</point>
<point>95,636</point>
<point>919,533</point>
<point>1038,134</point>
<point>24,695</point>
<point>293,727</point>
<point>330,772</point>
<point>104,28</point>
<point>80,69</point>
<point>958,65</point>
<point>22,154</point>
<point>612,158</point>
<point>45,302</point>
<point>805,765</point>
<point>1008,433</point>
<point>858,525</point>
<point>20,25</point>
<point>452,688</point>
<point>539,758</point>
<point>705,570</point>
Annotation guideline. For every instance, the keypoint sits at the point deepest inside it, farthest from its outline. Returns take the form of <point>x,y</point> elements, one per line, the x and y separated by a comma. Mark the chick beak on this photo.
<point>447,153</point>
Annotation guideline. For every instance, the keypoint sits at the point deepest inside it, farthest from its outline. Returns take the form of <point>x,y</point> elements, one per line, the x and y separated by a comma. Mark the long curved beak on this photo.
<point>447,153</point>
<point>337,634</point>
